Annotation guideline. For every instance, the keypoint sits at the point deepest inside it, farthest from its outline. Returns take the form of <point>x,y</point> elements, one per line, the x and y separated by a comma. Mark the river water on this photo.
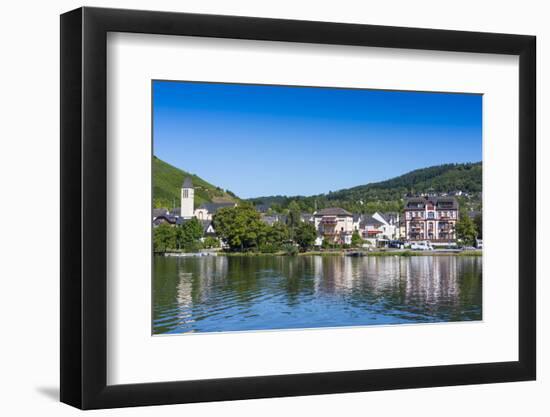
<point>239,293</point>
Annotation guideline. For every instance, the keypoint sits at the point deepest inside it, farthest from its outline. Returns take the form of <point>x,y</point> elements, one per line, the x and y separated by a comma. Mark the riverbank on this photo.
<point>427,253</point>
<point>403,253</point>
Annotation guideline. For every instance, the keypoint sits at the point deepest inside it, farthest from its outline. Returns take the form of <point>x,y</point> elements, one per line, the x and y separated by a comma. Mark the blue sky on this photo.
<point>266,140</point>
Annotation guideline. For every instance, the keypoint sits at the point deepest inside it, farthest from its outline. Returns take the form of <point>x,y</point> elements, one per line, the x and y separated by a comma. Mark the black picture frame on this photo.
<point>84,207</point>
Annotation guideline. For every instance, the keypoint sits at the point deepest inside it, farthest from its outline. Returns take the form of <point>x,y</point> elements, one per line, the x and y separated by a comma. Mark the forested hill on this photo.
<point>439,179</point>
<point>388,195</point>
<point>380,196</point>
<point>167,181</point>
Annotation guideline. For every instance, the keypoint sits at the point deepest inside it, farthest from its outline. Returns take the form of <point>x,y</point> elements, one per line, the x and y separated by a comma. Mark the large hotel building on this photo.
<point>431,218</point>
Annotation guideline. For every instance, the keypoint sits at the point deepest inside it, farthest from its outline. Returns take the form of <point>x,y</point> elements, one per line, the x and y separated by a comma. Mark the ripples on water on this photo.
<point>213,294</point>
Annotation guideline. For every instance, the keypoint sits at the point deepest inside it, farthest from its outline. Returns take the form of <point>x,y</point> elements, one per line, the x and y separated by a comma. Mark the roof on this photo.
<point>205,225</point>
<point>333,211</point>
<point>449,202</point>
<point>165,218</point>
<point>370,221</point>
<point>439,202</point>
<point>270,219</point>
<point>187,183</point>
<point>415,202</point>
<point>183,220</point>
<point>214,207</point>
<point>306,217</point>
<point>159,212</point>
<point>262,208</point>
<point>391,216</point>
<point>383,217</point>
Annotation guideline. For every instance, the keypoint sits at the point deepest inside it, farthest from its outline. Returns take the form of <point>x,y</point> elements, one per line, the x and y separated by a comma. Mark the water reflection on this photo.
<point>274,292</point>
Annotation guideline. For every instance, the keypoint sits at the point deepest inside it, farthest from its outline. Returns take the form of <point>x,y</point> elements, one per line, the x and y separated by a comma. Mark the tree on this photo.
<point>277,234</point>
<point>356,239</point>
<point>189,234</point>
<point>478,221</point>
<point>164,238</point>
<point>466,229</point>
<point>294,215</point>
<point>240,227</point>
<point>304,235</point>
<point>211,242</point>
<point>276,208</point>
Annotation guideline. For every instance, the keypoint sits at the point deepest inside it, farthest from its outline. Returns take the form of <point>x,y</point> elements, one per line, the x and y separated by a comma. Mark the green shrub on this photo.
<point>211,242</point>
<point>193,247</point>
<point>269,248</point>
<point>290,250</point>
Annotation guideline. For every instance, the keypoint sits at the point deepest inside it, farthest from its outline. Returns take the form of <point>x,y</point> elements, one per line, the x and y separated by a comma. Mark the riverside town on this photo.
<point>428,221</point>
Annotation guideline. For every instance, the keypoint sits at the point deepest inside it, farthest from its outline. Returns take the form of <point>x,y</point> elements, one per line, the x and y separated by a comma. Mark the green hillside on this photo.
<point>167,181</point>
<point>388,195</point>
<point>380,196</point>
<point>439,179</point>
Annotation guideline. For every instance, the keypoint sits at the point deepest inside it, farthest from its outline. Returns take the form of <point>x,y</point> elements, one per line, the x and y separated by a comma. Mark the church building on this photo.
<point>187,209</point>
<point>205,211</point>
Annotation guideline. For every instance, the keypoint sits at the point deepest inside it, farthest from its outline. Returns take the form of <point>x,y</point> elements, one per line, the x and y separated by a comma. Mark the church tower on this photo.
<point>187,199</point>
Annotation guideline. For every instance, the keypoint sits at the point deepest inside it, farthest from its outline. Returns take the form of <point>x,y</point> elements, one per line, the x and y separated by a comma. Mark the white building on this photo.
<point>334,224</point>
<point>187,208</point>
<point>388,227</point>
<point>206,210</point>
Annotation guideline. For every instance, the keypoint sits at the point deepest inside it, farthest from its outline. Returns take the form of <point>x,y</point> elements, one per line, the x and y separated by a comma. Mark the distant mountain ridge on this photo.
<point>388,194</point>
<point>379,196</point>
<point>439,178</point>
<point>167,181</point>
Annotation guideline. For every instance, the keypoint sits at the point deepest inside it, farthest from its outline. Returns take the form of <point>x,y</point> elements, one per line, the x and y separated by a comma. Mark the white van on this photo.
<point>425,245</point>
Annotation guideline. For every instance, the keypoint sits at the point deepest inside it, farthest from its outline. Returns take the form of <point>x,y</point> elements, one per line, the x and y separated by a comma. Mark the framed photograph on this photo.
<point>257,208</point>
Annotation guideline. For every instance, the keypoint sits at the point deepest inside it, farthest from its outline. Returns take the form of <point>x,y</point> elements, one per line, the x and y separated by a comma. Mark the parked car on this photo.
<point>421,246</point>
<point>396,244</point>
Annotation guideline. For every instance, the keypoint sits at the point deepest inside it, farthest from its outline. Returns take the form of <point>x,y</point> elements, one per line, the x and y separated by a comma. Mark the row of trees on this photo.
<point>187,237</point>
<point>311,204</point>
<point>242,229</point>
